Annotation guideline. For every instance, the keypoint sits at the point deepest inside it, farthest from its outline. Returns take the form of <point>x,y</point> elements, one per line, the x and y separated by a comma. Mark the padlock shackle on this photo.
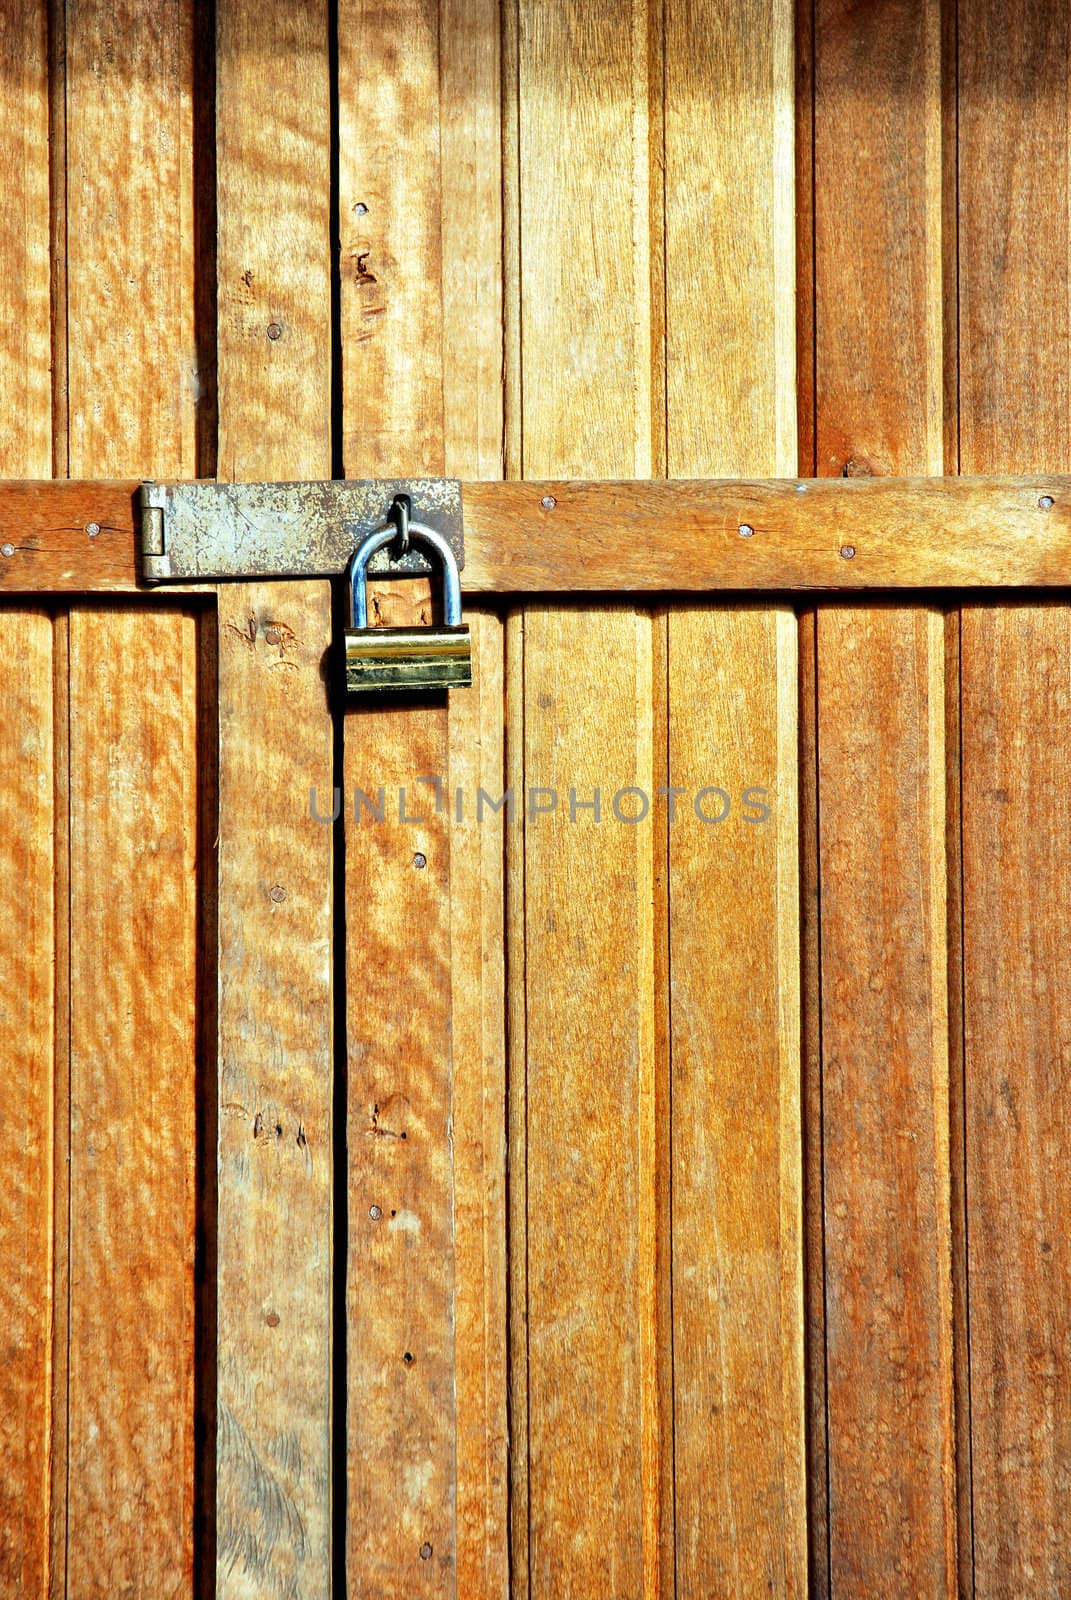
<point>419,533</point>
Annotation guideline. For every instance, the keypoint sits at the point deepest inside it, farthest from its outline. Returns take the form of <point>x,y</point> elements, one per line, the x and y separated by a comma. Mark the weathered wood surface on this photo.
<point>739,1496</point>
<point>26,1128</point>
<point>1015,408</point>
<point>133,797</point>
<point>421,362</point>
<point>28,1420</point>
<point>589,1509</point>
<point>125,329</point>
<point>879,708</point>
<point>276,1135</point>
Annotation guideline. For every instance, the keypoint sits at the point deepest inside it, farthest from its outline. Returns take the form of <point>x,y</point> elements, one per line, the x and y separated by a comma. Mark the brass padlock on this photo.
<point>379,660</point>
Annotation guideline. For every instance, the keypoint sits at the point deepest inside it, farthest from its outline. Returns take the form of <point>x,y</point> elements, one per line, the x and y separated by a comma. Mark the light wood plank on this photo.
<point>128,337</point>
<point>400,1277</point>
<point>740,1502</point>
<point>422,354</point>
<point>734,964</point>
<point>1015,326</point>
<point>132,398</point>
<point>479,1119</point>
<point>584,396</point>
<point>274,1272</point>
<point>881,817</point>
<point>27,1423</point>
<point>133,796</point>
<point>26,1126</point>
<point>25,336</point>
<point>592,1209</point>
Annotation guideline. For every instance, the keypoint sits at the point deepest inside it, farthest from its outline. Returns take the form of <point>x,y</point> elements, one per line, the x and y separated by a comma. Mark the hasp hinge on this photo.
<point>201,532</point>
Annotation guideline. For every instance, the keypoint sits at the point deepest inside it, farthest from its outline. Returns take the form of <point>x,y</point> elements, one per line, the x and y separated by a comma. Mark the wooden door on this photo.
<point>543,1204</point>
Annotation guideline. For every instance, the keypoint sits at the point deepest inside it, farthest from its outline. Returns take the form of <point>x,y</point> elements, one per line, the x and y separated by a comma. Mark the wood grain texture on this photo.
<point>27,1034</point>
<point>1015,328</point>
<point>25,321</point>
<point>592,1208</point>
<point>133,778</point>
<point>420,185</point>
<point>734,1009</point>
<point>881,822</point>
<point>26,1125</point>
<point>730,327</point>
<point>401,1513</point>
<point>132,399</point>
<point>276,1163</point>
<point>733,963</point>
<point>885,1101</point>
<point>478,999</point>
<point>589,1509</point>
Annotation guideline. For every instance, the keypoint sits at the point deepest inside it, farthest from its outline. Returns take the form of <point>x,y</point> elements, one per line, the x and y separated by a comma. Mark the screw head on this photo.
<point>1046,502</point>
<point>7,549</point>
<point>746,531</point>
<point>375,1212</point>
<point>548,502</point>
<point>274,331</point>
<point>92,528</point>
<point>847,551</point>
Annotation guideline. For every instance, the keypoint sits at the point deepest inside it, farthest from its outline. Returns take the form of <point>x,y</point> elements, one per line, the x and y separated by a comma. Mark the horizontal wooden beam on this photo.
<point>766,535</point>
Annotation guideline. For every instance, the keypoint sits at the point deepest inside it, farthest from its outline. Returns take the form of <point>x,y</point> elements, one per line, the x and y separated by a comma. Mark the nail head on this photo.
<point>375,1212</point>
<point>847,551</point>
<point>548,502</point>
<point>1046,502</point>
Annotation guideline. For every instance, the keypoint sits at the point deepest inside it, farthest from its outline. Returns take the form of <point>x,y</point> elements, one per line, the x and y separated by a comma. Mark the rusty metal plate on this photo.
<point>204,531</point>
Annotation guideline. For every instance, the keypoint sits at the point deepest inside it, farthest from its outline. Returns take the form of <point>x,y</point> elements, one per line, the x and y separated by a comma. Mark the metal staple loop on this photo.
<point>399,514</point>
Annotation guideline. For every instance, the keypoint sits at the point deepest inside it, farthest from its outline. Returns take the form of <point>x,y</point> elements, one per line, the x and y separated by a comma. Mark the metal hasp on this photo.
<point>201,532</point>
<point>406,659</point>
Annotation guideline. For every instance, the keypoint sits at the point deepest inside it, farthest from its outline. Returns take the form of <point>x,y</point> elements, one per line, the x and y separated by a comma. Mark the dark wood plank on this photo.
<point>880,687</point>
<point>1015,411</point>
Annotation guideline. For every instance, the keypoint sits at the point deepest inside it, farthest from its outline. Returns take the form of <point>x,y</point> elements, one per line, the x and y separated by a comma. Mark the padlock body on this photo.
<point>407,660</point>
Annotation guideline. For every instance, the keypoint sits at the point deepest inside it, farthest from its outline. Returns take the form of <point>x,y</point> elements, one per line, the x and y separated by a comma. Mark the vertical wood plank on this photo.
<point>420,207</point>
<point>591,1201</point>
<point>584,271</point>
<point>133,777</point>
<point>132,396</point>
<point>26,440</point>
<point>740,1502</point>
<point>27,1036</point>
<point>26,1125</point>
<point>133,916</point>
<point>274,1271</point>
<point>1015,329</point>
<point>885,1145</point>
<point>884,1021</point>
<point>734,965</point>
